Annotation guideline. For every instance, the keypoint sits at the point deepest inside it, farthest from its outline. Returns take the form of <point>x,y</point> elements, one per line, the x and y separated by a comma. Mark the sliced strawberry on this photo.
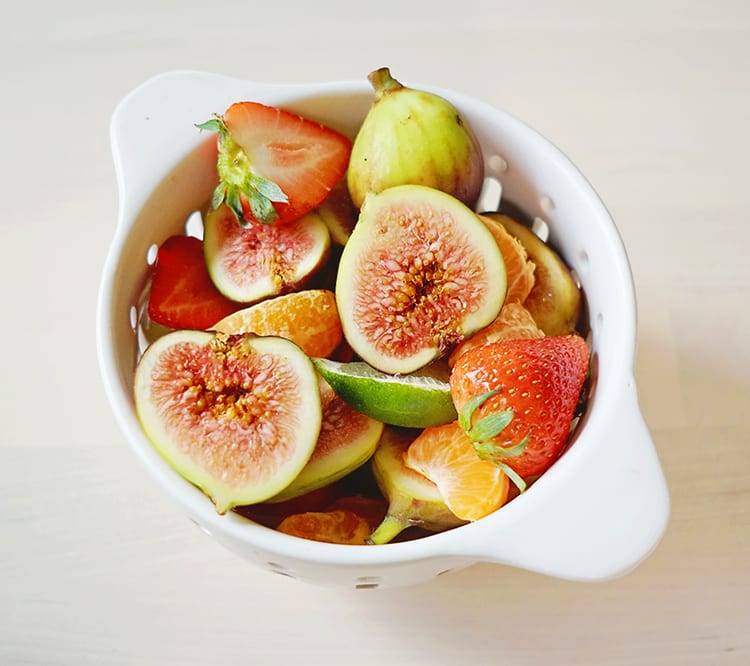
<point>182,294</point>
<point>275,166</point>
<point>517,398</point>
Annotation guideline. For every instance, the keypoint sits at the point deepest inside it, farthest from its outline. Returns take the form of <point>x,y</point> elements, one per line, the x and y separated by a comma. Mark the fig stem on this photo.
<point>382,81</point>
<point>389,529</point>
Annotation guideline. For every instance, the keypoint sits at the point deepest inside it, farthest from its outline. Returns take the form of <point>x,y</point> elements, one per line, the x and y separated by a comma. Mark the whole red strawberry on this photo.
<point>522,394</point>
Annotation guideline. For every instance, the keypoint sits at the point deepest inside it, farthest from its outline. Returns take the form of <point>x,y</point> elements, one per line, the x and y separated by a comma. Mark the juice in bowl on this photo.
<point>589,505</point>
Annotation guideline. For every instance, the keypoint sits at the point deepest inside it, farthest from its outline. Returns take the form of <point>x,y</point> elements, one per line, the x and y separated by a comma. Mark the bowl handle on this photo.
<point>598,515</point>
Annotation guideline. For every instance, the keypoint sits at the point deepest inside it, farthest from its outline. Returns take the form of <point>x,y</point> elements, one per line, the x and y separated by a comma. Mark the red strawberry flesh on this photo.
<point>540,380</point>
<point>182,294</point>
<point>303,158</point>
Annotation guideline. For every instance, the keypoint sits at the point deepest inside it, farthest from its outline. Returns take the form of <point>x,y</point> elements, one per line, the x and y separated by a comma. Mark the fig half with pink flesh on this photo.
<point>236,415</point>
<point>419,273</point>
<point>248,264</point>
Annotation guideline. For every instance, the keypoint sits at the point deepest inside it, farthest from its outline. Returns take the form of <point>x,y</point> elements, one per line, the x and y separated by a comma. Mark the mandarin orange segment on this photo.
<point>519,269</point>
<point>471,487</point>
<point>308,318</point>
<point>513,322</point>
<point>341,526</point>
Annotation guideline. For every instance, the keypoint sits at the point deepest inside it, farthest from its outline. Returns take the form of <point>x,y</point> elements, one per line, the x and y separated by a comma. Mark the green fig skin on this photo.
<point>414,137</point>
<point>413,500</point>
<point>347,441</point>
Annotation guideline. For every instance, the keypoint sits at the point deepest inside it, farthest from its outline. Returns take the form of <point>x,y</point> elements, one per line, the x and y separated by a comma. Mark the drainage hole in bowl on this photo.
<point>280,569</point>
<point>151,254</point>
<point>497,164</point>
<point>546,204</point>
<point>133,315</point>
<point>203,529</point>
<point>367,582</point>
<point>598,323</point>
<point>583,261</point>
<point>490,196</point>
<point>540,227</point>
<point>194,225</point>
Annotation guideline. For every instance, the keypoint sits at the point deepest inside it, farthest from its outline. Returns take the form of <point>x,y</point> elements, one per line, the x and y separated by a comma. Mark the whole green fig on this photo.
<point>413,137</point>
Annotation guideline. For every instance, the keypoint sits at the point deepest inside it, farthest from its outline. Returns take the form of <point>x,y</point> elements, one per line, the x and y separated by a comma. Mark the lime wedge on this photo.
<point>417,400</point>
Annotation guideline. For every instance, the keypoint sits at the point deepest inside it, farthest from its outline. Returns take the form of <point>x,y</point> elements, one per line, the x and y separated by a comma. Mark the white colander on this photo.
<point>594,515</point>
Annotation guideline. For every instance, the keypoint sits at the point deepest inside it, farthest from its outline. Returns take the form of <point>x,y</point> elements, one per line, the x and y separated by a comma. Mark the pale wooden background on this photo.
<point>649,98</point>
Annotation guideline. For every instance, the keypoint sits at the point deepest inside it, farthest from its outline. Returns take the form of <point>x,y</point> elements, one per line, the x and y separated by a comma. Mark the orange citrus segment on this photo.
<point>341,526</point>
<point>514,321</point>
<point>308,318</point>
<point>471,487</point>
<point>519,269</point>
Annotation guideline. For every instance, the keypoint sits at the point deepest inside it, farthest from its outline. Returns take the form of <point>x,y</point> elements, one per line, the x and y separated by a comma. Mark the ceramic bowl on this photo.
<point>594,515</point>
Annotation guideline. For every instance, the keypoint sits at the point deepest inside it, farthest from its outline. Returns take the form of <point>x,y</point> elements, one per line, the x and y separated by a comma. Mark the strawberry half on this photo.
<point>517,399</point>
<point>182,294</point>
<point>273,165</point>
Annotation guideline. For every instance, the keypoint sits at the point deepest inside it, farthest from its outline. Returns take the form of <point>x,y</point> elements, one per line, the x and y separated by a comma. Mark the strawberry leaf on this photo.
<point>494,453</point>
<point>268,189</point>
<point>261,207</point>
<point>233,201</point>
<point>212,125</point>
<point>481,432</point>
<point>218,195</point>
<point>491,452</point>
<point>467,413</point>
<point>514,476</point>
<point>490,426</point>
<point>261,194</point>
<point>236,177</point>
<point>487,427</point>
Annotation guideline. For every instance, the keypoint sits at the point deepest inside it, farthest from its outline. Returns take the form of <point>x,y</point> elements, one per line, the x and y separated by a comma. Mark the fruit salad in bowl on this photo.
<point>365,333</point>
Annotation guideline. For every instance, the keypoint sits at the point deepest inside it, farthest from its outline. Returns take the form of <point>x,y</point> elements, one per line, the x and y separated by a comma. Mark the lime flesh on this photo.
<point>416,400</point>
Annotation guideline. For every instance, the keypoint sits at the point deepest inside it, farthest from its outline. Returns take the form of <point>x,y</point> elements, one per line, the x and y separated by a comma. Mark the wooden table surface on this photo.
<point>651,99</point>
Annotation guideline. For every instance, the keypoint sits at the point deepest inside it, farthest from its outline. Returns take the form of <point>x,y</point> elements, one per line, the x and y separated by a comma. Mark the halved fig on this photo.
<point>248,264</point>
<point>347,441</point>
<point>236,415</point>
<point>419,273</point>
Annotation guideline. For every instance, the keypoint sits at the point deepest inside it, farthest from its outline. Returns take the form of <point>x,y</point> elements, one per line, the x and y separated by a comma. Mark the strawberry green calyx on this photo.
<point>481,432</point>
<point>237,179</point>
